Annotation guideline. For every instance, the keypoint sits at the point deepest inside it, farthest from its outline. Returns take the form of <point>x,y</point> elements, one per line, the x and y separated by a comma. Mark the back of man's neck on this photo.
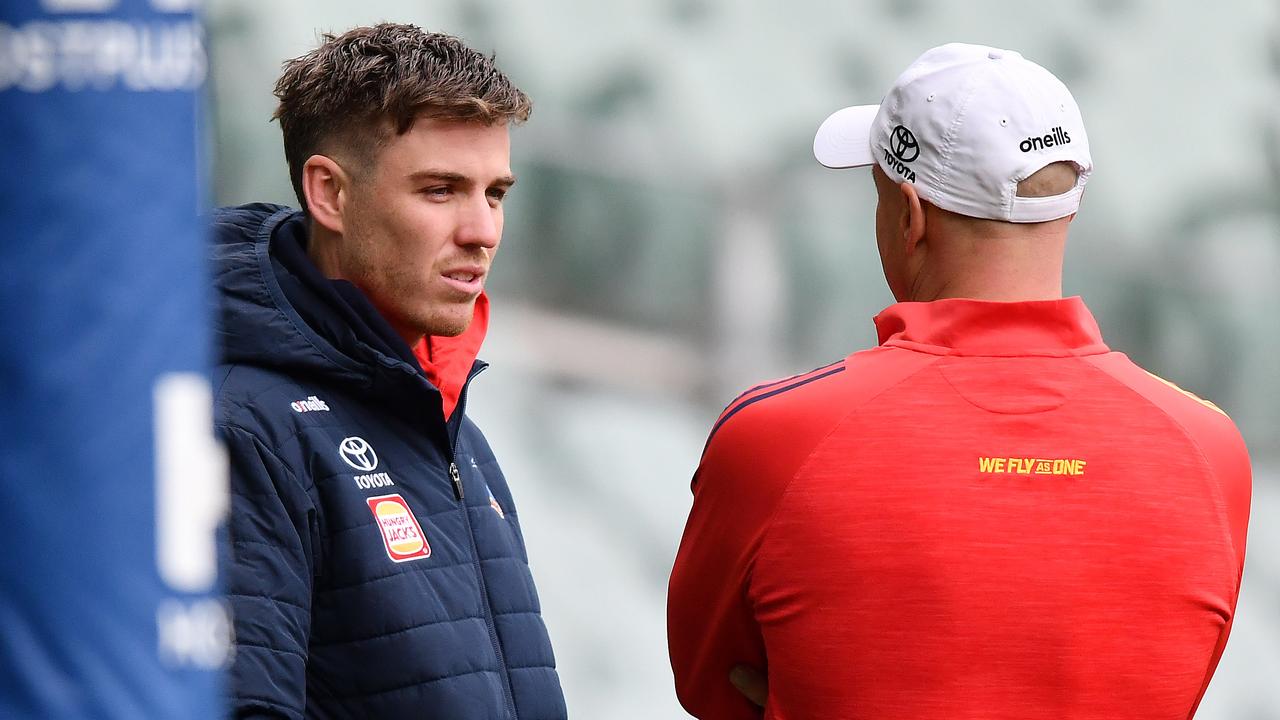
<point>996,283</point>
<point>998,262</point>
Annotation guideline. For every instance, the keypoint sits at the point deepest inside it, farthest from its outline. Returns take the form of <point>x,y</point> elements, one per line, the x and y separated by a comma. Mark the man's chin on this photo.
<point>448,332</point>
<point>449,326</point>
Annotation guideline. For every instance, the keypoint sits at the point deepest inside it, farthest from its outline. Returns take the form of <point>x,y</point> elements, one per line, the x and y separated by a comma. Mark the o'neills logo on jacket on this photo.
<point>311,404</point>
<point>401,534</point>
<point>1056,136</point>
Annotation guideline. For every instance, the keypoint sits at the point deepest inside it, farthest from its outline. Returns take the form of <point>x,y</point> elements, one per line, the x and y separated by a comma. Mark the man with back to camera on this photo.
<point>378,569</point>
<point>991,514</point>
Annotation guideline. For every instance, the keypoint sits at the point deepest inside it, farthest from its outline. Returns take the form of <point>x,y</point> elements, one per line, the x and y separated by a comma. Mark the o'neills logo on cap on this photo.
<point>1056,136</point>
<point>401,533</point>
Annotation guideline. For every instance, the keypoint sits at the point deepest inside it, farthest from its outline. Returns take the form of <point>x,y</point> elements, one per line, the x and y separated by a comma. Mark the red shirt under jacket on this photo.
<point>990,515</point>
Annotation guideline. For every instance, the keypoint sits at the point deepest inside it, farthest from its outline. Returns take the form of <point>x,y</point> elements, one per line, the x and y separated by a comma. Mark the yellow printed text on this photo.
<point>1065,467</point>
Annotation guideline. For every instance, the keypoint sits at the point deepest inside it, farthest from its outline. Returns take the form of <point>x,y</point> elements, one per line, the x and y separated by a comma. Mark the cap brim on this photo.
<point>844,139</point>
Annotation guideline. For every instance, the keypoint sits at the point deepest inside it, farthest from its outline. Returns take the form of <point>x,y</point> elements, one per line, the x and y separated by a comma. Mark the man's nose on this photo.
<point>480,223</point>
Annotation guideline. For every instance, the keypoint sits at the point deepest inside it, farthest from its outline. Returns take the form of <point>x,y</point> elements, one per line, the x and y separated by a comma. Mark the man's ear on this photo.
<point>327,188</point>
<point>912,221</point>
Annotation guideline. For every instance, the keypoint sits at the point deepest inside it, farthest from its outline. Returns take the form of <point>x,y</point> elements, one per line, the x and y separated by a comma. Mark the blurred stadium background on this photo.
<point>672,241</point>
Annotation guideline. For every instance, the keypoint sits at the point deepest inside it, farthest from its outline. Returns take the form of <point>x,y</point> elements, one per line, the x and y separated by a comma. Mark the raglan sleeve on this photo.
<point>273,542</point>
<point>710,622</point>
<point>1228,457</point>
<point>1220,444</point>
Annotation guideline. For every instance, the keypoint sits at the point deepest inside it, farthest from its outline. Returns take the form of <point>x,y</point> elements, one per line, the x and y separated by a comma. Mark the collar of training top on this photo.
<point>957,326</point>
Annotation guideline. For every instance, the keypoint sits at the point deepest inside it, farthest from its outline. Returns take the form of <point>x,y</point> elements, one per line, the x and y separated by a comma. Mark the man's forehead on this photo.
<point>427,128</point>
<point>465,150</point>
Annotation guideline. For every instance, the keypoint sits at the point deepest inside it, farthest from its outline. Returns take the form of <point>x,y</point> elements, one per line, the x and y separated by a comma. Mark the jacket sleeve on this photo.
<point>711,621</point>
<point>1223,449</point>
<point>274,543</point>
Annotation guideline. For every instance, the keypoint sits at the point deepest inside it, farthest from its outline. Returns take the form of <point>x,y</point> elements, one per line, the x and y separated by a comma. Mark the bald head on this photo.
<point>1052,179</point>
<point>930,253</point>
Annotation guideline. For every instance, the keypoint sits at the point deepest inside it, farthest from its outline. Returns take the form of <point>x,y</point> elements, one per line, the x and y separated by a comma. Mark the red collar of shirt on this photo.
<point>447,361</point>
<point>957,326</point>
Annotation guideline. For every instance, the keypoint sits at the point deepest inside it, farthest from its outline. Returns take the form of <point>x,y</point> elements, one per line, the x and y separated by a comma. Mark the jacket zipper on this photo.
<point>456,478</point>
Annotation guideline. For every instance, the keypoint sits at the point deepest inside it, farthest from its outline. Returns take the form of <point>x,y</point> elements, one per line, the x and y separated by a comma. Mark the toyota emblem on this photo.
<point>357,453</point>
<point>903,144</point>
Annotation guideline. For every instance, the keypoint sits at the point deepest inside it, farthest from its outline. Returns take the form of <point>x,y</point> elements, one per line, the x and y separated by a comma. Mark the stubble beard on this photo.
<point>408,298</point>
<point>404,298</point>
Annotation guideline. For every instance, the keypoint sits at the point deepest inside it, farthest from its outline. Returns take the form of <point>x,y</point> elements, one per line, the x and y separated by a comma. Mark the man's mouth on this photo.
<point>467,280</point>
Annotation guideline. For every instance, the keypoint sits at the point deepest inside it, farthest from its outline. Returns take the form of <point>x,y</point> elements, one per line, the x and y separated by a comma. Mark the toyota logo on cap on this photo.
<point>903,144</point>
<point>357,453</point>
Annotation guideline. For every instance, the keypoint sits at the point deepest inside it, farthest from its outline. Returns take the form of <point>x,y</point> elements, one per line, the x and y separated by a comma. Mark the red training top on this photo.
<point>990,515</point>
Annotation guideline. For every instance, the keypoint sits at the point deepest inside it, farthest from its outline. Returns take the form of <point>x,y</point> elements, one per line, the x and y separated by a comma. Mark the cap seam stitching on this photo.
<point>945,152</point>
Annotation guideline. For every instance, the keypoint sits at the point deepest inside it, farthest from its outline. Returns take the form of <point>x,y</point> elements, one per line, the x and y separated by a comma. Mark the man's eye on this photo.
<point>440,191</point>
<point>497,194</point>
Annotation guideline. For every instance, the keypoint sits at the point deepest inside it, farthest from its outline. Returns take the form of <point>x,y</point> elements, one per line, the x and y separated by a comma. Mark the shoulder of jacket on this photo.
<point>248,396</point>
<point>1209,432</point>
<point>820,397</point>
<point>242,220</point>
<point>1197,415</point>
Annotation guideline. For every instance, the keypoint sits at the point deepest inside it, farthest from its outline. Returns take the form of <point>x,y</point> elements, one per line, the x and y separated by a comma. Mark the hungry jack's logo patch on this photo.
<point>1062,467</point>
<point>401,534</point>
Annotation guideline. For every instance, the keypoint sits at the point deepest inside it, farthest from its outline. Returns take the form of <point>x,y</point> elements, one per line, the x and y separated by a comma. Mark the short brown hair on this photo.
<point>357,87</point>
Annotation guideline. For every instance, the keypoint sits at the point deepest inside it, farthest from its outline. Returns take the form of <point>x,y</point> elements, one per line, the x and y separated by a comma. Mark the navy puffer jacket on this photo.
<point>377,566</point>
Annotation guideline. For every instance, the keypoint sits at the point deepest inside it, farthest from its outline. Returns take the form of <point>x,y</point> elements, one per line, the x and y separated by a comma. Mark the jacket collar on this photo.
<point>957,326</point>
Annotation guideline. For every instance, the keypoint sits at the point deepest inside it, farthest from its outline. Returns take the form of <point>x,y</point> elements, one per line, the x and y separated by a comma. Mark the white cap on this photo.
<point>965,124</point>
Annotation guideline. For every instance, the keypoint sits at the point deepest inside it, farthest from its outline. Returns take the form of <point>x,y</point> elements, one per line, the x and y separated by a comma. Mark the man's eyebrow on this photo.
<point>453,177</point>
<point>439,175</point>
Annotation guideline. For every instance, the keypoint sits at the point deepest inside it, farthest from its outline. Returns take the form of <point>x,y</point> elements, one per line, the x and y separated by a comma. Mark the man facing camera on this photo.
<point>377,569</point>
<point>991,514</point>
